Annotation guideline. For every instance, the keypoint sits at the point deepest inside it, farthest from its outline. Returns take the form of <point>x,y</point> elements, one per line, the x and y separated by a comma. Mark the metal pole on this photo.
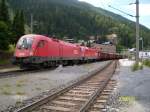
<point>137,31</point>
<point>31,25</point>
<point>142,44</point>
<point>141,39</point>
<point>142,49</point>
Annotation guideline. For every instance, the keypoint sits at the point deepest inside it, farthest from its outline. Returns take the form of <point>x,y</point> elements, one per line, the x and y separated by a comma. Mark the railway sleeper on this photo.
<point>94,87</point>
<point>84,89</point>
<point>76,96</point>
<point>79,95</point>
<point>73,98</point>
<point>64,103</point>
<point>55,108</point>
<point>67,105</point>
<point>80,91</point>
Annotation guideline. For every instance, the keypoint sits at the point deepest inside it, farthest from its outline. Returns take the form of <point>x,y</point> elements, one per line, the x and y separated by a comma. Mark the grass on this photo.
<point>18,102</point>
<point>4,61</point>
<point>127,99</point>
<point>137,66</point>
<point>6,55</point>
<point>38,88</point>
<point>146,62</point>
<point>20,93</point>
<point>6,91</point>
<point>7,85</point>
<point>21,82</point>
<point>11,48</point>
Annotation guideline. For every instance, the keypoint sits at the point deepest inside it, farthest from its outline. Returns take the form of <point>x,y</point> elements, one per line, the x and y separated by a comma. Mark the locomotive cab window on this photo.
<point>25,43</point>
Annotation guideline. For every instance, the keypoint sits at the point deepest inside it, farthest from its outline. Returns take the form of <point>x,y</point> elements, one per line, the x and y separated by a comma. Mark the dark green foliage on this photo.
<point>9,33</point>
<point>137,66</point>
<point>4,26</point>
<point>4,15</point>
<point>78,20</point>
<point>18,26</point>
<point>101,40</point>
<point>120,48</point>
<point>4,36</point>
<point>146,62</point>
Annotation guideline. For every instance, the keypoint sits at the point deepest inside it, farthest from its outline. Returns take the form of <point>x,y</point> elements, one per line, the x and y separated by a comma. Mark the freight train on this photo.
<point>40,51</point>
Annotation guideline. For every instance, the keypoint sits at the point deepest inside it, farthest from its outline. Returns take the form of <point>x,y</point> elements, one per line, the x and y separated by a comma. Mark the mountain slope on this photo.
<point>78,20</point>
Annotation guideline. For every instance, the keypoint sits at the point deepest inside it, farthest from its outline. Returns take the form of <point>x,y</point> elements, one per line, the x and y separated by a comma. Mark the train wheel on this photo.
<point>54,64</point>
<point>65,63</point>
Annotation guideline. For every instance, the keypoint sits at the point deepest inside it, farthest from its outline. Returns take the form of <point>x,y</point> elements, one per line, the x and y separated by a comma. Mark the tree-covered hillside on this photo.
<point>10,29</point>
<point>77,20</point>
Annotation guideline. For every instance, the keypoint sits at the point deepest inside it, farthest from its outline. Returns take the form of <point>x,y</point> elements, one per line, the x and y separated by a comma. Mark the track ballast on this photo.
<point>79,97</point>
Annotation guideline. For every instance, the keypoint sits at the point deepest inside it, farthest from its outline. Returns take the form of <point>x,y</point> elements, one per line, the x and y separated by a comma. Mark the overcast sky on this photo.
<point>124,6</point>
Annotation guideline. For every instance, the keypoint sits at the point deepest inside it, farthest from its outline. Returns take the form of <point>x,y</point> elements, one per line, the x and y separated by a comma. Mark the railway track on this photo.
<point>89,94</point>
<point>11,73</point>
<point>15,73</point>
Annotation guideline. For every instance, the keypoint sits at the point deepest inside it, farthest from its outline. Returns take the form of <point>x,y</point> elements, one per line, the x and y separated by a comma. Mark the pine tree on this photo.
<point>18,26</point>
<point>4,26</point>
<point>22,23</point>
<point>4,34</point>
<point>4,14</point>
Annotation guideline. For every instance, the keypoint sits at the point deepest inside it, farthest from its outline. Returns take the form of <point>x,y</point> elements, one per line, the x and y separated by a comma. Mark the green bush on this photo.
<point>146,62</point>
<point>141,66</point>
<point>137,66</point>
<point>4,61</point>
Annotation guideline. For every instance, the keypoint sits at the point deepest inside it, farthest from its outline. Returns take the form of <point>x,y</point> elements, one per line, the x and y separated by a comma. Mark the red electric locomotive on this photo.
<point>37,50</point>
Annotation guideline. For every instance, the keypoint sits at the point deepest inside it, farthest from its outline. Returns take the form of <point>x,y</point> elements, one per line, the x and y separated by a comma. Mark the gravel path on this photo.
<point>17,89</point>
<point>133,91</point>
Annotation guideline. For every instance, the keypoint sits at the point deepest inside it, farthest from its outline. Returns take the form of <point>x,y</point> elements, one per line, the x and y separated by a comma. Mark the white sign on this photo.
<point>144,54</point>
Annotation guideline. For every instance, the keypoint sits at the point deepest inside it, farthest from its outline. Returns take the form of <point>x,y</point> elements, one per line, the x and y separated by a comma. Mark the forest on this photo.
<point>66,18</point>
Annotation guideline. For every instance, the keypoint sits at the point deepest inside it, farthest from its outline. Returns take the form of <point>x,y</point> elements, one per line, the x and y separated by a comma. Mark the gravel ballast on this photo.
<point>15,90</point>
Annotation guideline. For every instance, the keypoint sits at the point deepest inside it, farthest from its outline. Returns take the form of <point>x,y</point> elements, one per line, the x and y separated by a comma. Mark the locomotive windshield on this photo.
<point>25,43</point>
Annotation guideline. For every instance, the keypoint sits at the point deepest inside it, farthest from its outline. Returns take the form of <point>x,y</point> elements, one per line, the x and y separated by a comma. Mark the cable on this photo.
<point>121,11</point>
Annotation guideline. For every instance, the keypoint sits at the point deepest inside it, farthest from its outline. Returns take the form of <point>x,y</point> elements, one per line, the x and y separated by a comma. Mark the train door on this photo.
<point>42,48</point>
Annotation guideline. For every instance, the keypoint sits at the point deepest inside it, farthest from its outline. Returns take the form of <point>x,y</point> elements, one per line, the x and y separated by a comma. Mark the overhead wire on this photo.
<point>121,11</point>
